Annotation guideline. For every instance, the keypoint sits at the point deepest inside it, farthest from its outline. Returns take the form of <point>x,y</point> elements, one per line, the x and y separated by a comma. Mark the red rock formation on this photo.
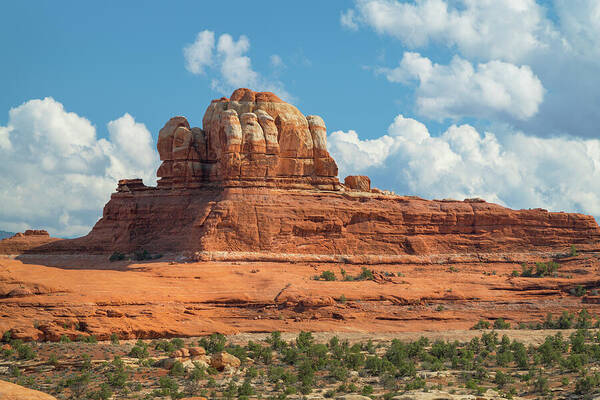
<point>358,182</point>
<point>251,139</point>
<point>25,241</point>
<point>258,178</point>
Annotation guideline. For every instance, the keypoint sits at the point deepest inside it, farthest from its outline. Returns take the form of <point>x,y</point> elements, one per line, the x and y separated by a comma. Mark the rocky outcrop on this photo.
<point>25,241</point>
<point>257,178</point>
<point>223,360</point>
<point>358,182</point>
<point>252,138</point>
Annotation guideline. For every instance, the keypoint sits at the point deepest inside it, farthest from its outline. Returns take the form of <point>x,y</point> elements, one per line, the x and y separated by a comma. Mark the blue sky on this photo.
<point>437,98</point>
<point>100,61</point>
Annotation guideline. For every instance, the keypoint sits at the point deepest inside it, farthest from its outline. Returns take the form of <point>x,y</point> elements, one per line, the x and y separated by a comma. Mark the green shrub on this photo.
<point>573,251</point>
<point>327,276</point>
<point>501,379</point>
<point>141,255</point>
<point>177,369</point>
<point>501,324</point>
<point>169,387</point>
<point>117,376</point>
<point>584,320</point>
<point>481,324</point>
<point>116,256</point>
<point>140,350</point>
<point>78,384</point>
<point>245,389</point>
<point>276,342</point>
<point>178,343</point>
<point>114,338</point>
<point>24,351</point>
<point>214,344</point>
<point>578,291</point>
<point>587,384</point>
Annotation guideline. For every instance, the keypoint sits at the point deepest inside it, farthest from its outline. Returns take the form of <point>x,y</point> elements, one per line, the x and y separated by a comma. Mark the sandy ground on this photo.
<point>44,297</point>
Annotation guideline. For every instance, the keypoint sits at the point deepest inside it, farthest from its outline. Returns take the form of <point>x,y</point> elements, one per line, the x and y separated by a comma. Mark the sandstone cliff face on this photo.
<point>280,221</point>
<point>258,178</point>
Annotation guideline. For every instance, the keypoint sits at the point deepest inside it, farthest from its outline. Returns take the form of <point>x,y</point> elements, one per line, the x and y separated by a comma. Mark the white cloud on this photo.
<point>348,20</point>
<point>200,53</point>
<point>489,29</point>
<point>516,170</point>
<point>460,89</point>
<point>230,66</point>
<point>276,61</point>
<point>57,175</point>
<point>580,24</point>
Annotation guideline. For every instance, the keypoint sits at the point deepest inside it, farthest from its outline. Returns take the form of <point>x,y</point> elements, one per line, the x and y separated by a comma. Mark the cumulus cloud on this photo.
<point>228,63</point>
<point>580,24</point>
<point>348,20</point>
<point>276,61</point>
<point>513,169</point>
<point>56,174</point>
<point>461,89</point>
<point>200,53</point>
<point>490,29</point>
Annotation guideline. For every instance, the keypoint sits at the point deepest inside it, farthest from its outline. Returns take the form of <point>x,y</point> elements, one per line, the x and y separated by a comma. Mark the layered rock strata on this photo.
<point>258,178</point>
<point>250,139</point>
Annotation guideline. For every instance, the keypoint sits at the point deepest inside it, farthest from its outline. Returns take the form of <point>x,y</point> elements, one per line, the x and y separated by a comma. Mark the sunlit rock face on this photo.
<point>251,138</point>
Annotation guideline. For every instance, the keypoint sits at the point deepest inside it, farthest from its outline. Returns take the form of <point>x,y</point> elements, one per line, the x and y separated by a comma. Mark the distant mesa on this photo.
<point>257,182</point>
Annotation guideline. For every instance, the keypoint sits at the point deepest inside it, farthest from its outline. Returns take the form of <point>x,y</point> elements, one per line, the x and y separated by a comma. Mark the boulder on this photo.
<point>197,351</point>
<point>166,363</point>
<point>223,360</point>
<point>358,182</point>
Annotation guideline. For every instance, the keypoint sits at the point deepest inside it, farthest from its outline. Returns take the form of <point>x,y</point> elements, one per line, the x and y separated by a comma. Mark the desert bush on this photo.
<point>276,342</point>
<point>141,255</point>
<point>587,384</point>
<point>116,256</point>
<point>140,350</point>
<point>481,324</point>
<point>214,344</point>
<point>168,387</point>
<point>117,376</point>
<point>578,291</point>
<point>501,324</point>
<point>365,275</point>
<point>177,369</point>
<point>573,251</point>
<point>165,345</point>
<point>24,351</point>
<point>114,338</point>
<point>584,320</point>
<point>327,276</point>
<point>79,384</point>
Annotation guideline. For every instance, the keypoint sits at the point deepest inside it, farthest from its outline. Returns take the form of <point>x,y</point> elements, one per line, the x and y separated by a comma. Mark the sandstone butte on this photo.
<point>256,185</point>
<point>257,178</point>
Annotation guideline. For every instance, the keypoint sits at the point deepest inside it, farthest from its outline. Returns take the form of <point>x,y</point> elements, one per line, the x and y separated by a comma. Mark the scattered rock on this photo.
<point>167,363</point>
<point>358,182</point>
<point>197,351</point>
<point>223,359</point>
